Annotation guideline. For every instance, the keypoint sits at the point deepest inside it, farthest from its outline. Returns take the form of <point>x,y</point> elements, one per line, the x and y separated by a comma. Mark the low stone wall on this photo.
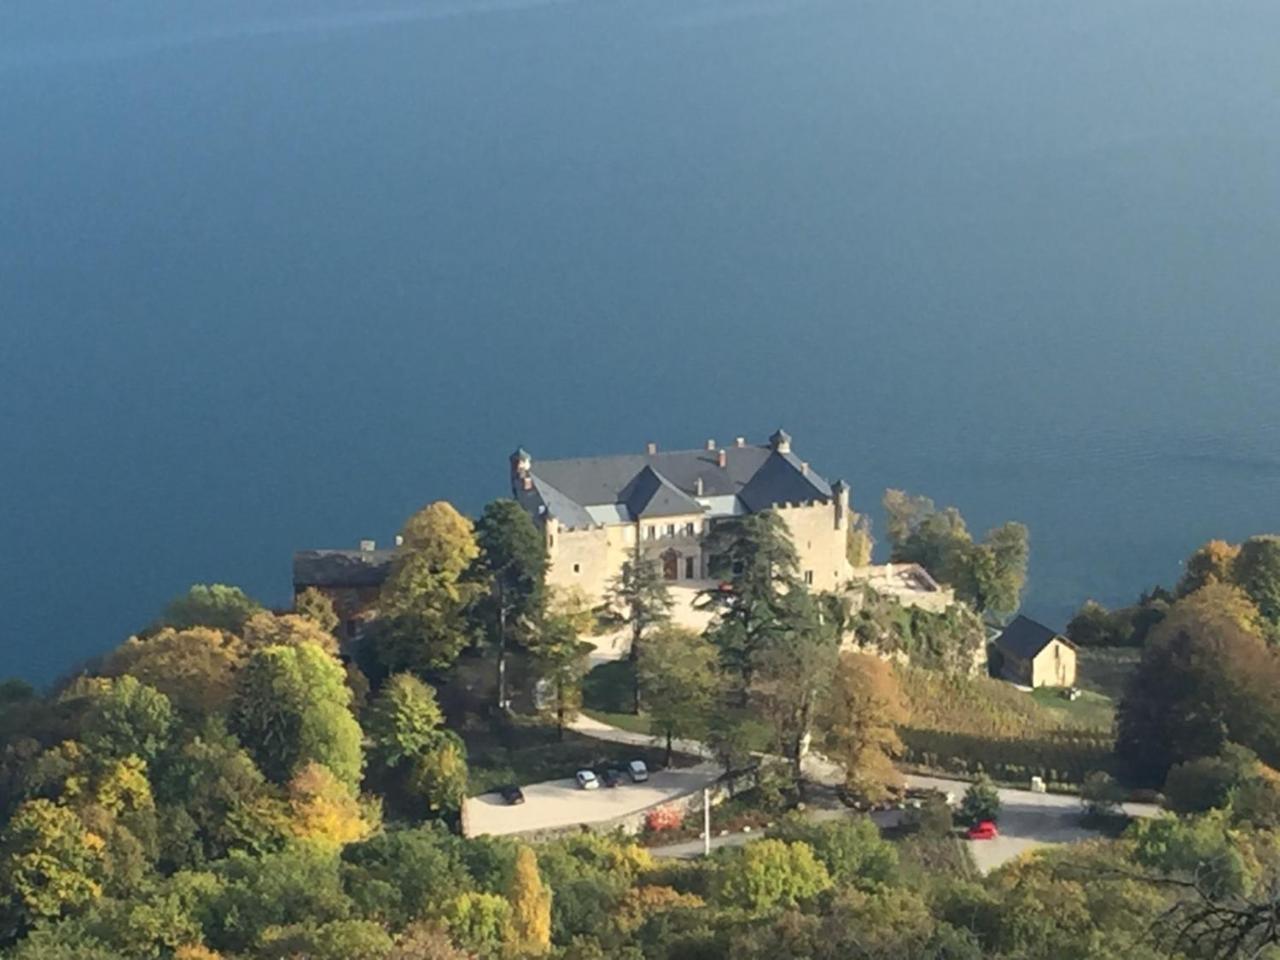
<point>632,824</point>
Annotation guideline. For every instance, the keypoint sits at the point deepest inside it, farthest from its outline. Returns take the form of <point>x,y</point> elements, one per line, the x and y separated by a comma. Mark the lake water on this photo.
<point>272,275</point>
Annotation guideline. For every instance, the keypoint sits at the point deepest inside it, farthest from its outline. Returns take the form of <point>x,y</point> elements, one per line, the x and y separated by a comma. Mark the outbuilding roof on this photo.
<point>1024,638</point>
<point>341,568</point>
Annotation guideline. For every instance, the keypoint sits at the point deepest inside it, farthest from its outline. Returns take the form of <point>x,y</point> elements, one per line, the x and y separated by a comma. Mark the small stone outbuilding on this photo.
<point>1033,655</point>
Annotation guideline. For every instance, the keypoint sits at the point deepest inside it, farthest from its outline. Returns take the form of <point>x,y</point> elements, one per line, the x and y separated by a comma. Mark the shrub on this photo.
<point>663,818</point>
<point>981,802</point>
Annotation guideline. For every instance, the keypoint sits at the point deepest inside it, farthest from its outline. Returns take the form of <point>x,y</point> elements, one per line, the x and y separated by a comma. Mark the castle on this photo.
<point>598,512</point>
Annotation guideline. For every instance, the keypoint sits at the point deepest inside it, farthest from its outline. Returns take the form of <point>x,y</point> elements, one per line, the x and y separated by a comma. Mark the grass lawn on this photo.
<point>608,695</point>
<point>525,751</point>
<point>610,688</point>
<point>1090,708</point>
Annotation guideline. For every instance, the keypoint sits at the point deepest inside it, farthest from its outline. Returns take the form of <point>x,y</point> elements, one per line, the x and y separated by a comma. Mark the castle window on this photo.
<point>650,532</point>
<point>671,530</point>
<point>689,571</point>
<point>808,577</point>
<point>577,568</point>
<point>688,529</point>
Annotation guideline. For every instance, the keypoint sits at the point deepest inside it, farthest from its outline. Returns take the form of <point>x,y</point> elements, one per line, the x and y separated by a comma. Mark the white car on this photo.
<point>639,772</point>
<point>587,780</point>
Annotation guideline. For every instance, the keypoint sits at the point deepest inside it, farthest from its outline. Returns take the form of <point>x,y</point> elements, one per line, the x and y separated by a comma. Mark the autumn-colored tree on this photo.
<point>423,603</point>
<point>529,931</point>
<point>287,630</point>
<point>323,808</point>
<point>195,668</point>
<point>859,543</point>
<point>211,605</point>
<point>317,608</point>
<point>292,706</point>
<point>49,864</point>
<point>1207,677</point>
<point>426,941</point>
<point>865,707</point>
<point>1212,563</point>
<point>679,678</point>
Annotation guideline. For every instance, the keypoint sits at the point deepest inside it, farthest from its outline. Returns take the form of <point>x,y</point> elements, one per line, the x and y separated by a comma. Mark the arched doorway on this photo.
<point>671,565</point>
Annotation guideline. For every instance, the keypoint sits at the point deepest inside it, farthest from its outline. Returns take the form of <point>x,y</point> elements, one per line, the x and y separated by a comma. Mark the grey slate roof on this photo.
<point>650,494</point>
<point>1024,638</point>
<point>665,483</point>
<point>341,568</point>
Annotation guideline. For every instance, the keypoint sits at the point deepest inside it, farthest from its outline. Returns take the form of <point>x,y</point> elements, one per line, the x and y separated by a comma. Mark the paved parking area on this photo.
<point>561,803</point>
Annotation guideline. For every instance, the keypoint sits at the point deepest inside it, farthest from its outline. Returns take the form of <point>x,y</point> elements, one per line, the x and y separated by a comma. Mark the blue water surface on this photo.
<point>274,274</point>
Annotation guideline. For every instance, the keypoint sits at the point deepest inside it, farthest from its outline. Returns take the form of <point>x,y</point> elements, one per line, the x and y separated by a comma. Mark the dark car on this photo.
<point>511,794</point>
<point>611,777</point>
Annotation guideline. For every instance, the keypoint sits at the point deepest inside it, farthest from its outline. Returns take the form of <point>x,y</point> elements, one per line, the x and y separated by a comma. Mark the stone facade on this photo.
<point>598,513</point>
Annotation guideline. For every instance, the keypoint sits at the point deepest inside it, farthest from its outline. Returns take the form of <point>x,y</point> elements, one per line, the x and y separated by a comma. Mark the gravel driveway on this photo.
<point>561,803</point>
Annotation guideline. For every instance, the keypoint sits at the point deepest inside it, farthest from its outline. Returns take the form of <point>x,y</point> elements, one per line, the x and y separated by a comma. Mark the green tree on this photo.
<point>127,718</point>
<point>211,605</point>
<point>317,608</point>
<point>997,570</point>
<point>755,559</point>
<point>439,776</point>
<point>1101,797</point>
<point>989,576</point>
<point>560,660</point>
<point>424,602</point>
<point>404,720</point>
<point>1257,570</point>
<point>478,921</point>
<point>513,565</point>
<point>49,864</point>
<point>981,802</point>
<point>678,677</point>
<point>530,928</point>
<point>769,875</point>
<point>851,849</point>
<point>291,707</point>
<point>793,674</point>
<point>640,592</point>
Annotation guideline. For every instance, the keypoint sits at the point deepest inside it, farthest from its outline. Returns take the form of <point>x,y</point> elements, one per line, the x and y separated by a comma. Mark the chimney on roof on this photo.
<point>780,441</point>
<point>711,444</point>
<point>739,441</point>
<point>697,487</point>
<point>651,448</point>
<point>368,546</point>
<point>723,459</point>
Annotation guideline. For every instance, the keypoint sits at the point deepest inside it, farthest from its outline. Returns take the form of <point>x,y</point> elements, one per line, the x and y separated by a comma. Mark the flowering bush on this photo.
<point>663,818</point>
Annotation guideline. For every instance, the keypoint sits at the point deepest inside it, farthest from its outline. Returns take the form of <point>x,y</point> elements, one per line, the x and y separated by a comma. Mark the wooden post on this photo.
<point>706,822</point>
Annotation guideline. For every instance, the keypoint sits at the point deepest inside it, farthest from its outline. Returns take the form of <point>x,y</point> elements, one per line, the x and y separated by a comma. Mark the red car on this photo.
<point>983,830</point>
